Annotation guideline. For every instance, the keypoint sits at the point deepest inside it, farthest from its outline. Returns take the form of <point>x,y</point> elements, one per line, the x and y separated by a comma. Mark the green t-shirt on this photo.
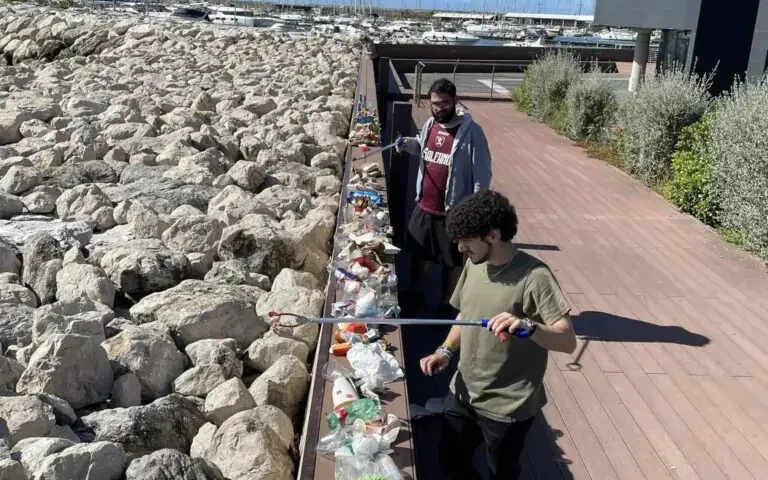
<point>504,381</point>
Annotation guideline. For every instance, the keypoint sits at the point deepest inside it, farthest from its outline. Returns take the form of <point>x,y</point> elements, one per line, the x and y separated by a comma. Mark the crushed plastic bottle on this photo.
<point>366,409</point>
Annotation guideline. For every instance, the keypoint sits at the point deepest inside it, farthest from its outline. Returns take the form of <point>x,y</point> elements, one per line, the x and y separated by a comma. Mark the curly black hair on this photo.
<point>443,85</point>
<point>479,213</point>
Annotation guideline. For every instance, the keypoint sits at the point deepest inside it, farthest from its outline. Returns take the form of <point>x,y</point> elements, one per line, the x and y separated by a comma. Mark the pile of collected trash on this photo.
<point>361,431</point>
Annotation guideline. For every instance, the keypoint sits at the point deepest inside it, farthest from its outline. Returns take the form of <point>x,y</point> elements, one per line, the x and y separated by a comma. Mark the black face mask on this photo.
<point>445,115</point>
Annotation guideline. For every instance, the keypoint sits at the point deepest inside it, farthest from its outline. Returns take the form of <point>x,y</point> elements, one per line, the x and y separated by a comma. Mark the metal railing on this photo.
<point>419,74</point>
<point>495,70</point>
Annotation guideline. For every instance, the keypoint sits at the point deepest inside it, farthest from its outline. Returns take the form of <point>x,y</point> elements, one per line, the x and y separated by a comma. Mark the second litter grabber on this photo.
<point>302,320</point>
<point>367,152</point>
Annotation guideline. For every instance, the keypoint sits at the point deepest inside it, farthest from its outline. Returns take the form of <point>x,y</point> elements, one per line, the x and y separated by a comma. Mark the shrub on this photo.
<point>738,154</point>
<point>591,105</point>
<point>691,187</point>
<point>649,123</point>
<point>522,94</point>
<point>549,79</point>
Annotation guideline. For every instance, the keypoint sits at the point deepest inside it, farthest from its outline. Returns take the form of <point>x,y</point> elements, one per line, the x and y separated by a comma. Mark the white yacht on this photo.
<point>449,36</point>
<point>232,16</point>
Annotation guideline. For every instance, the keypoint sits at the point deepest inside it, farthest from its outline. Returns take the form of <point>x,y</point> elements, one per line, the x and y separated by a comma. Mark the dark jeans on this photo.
<point>464,430</point>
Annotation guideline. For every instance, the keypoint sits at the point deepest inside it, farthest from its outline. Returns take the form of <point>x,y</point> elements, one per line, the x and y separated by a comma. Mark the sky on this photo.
<point>587,7</point>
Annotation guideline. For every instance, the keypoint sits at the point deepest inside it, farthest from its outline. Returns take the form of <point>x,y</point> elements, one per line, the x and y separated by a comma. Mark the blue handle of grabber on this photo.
<point>519,332</point>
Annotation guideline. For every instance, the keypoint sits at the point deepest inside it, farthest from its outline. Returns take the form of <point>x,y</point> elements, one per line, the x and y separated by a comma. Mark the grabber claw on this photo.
<point>275,316</point>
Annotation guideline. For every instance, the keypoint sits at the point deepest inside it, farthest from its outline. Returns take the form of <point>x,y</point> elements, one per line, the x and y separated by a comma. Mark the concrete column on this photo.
<point>642,45</point>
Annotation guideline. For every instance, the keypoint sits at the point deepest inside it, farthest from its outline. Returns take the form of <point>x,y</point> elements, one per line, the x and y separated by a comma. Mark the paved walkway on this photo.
<point>670,378</point>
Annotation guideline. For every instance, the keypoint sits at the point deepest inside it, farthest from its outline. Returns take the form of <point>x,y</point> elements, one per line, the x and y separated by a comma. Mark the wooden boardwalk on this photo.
<point>670,378</point>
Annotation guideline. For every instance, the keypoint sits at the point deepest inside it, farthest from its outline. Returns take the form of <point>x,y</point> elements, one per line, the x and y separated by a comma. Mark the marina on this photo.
<point>366,23</point>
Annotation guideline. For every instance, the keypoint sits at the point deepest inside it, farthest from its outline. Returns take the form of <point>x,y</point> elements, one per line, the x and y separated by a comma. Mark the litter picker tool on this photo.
<point>368,152</point>
<point>302,320</point>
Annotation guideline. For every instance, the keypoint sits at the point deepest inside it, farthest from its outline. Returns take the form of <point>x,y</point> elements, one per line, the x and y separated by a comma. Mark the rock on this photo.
<point>9,260</point>
<point>82,202</point>
<point>264,352</point>
<point>64,414</point>
<point>73,367</point>
<point>10,206</point>
<point>27,416</point>
<point>314,231</point>
<point>75,280</point>
<point>39,202</point>
<point>203,440</point>
<point>193,234</point>
<point>73,256</point>
<point>236,272</point>
<point>64,432</point>
<point>199,381</point>
<point>277,421</point>
<point>17,295</point>
<point>286,199</point>
<point>261,243</point>
<point>326,160</point>
<point>150,355</point>
<point>15,323</point>
<point>42,256</point>
<point>136,271</point>
<point>10,371</point>
<point>169,464</point>
<point>196,310</point>
<point>32,451</point>
<point>146,223</point>
<point>327,185</point>
<point>169,422</point>
<point>86,461</point>
<point>12,470</point>
<point>216,352</point>
<point>67,234</point>
<point>283,385</point>
<point>247,175</point>
<point>233,203</point>
<point>288,279</point>
<point>175,151</point>
<point>260,105</point>
<point>185,211</point>
<point>77,315</point>
<point>244,447</point>
<point>300,301</point>
<point>227,399</point>
<point>126,391</point>
<point>200,168</point>
<point>19,180</point>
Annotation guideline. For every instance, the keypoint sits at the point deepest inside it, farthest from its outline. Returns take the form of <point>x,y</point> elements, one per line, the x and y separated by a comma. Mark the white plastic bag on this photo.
<point>373,365</point>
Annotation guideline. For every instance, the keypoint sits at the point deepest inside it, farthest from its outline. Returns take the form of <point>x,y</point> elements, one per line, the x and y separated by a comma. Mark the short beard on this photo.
<point>445,116</point>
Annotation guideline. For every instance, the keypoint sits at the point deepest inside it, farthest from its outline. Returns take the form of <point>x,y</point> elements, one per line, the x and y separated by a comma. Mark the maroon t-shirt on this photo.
<point>437,164</point>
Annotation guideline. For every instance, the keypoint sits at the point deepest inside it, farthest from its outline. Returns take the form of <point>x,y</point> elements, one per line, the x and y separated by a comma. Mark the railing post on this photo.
<point>455,67</point>
<point>493,77</point>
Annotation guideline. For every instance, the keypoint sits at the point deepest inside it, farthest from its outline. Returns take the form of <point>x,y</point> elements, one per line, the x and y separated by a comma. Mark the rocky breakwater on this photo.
<point>162,187</point>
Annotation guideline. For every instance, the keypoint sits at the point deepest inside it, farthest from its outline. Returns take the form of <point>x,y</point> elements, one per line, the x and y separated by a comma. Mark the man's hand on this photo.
<point>434,364</point>
<point>503,323</point>
<point>400,144</point>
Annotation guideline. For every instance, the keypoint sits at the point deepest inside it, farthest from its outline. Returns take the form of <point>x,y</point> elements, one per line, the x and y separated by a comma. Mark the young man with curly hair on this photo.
<point>454,162</point>
<point>498,388</point>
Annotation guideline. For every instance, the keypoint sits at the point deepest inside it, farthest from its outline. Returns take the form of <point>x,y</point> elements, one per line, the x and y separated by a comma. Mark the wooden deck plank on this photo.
<point>595,458</point>
<point>672,373</point>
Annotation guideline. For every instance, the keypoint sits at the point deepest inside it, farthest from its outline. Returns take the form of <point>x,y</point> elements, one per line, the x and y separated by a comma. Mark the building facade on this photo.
<point>704,36</point>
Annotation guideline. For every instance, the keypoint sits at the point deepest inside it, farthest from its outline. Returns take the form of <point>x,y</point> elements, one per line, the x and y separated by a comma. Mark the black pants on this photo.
<point>464,430</point>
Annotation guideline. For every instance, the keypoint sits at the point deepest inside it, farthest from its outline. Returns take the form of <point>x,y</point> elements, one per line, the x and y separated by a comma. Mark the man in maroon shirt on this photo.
<point>455,163</point>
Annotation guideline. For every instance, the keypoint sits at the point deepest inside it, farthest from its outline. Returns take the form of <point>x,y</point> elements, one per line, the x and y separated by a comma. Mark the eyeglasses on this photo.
<point>440,105</point>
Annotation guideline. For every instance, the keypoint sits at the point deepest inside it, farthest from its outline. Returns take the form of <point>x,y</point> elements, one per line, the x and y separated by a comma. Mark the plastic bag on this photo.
<point>367,304</point>
<point>382,467</point>
<point>373,365</point>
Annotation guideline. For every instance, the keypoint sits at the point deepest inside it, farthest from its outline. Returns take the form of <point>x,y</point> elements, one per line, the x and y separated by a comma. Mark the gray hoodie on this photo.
<point>470,167</point>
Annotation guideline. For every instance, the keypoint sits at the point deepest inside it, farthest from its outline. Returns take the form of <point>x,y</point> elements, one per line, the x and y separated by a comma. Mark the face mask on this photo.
<point>446,115</point>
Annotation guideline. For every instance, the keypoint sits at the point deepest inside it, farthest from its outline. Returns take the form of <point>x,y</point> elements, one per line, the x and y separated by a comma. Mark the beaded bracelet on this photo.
<point>444,351</point>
